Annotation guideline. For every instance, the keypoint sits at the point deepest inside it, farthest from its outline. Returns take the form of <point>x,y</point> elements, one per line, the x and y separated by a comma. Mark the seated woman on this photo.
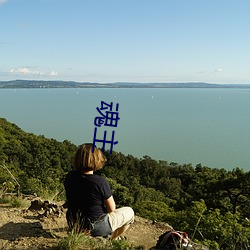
<point>91,205</point>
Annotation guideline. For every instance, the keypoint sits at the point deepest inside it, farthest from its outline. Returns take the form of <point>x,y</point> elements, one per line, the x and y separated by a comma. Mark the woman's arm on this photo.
<point>110,204</point>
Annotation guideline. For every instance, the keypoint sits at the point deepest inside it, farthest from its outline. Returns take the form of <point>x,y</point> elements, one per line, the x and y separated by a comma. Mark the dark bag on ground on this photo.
<point>172,240</point>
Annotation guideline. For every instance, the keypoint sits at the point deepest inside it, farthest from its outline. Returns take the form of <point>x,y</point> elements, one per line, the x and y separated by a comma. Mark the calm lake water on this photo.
<point>207,126</point>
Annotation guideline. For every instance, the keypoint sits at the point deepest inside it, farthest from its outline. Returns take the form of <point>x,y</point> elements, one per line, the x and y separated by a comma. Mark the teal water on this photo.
<point>207,126</point>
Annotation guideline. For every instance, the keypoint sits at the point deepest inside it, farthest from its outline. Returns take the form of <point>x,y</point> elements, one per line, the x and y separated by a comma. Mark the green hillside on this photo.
<point>38,163</point>
<point>213,205</point>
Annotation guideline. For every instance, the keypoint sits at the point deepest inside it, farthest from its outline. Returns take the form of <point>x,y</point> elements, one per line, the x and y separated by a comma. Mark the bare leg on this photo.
<point>119,231</point>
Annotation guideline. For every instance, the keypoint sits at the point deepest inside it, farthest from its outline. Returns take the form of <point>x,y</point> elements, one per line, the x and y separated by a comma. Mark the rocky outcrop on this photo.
<point>46,208</point>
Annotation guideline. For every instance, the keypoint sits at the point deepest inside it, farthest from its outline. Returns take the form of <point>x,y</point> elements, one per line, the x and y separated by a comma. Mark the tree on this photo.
<point>237,189</point>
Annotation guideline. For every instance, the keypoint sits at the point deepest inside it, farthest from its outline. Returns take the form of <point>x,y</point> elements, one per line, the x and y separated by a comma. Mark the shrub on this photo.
<point>152,210</point>
<point>18,202</point>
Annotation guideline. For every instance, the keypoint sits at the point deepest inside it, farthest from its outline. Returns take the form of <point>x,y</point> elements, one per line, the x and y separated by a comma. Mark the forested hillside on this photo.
<point>38,163</point>
<point>212,205</point>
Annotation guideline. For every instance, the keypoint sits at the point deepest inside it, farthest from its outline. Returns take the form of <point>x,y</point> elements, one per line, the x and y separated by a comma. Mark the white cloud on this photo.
<point>32,71</point>
<point>218,70</point>
<point>22,71</point>
<point>53,73</point>
<point>211,72</point>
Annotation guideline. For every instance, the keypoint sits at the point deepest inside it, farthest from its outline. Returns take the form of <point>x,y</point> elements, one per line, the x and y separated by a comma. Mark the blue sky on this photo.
<point>125,40</point>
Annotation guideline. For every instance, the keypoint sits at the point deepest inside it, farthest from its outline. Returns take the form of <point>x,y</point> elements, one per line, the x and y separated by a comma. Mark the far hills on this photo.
<point>72,84</point>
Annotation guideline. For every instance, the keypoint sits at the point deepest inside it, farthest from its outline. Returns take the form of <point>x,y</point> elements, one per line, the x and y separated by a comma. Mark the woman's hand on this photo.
<point>110,204</point>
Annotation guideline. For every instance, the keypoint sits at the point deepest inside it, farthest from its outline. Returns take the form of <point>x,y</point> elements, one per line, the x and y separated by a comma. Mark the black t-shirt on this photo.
<point>86,193</point>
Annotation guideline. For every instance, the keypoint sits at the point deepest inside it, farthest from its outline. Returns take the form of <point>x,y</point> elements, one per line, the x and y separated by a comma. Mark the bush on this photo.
<point>19,202</point>
<point>5,200</point>
<point>152,210</point>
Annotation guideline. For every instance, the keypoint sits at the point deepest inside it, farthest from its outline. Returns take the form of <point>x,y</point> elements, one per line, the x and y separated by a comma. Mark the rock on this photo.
<point>36,205</point>
<point>47,207</point>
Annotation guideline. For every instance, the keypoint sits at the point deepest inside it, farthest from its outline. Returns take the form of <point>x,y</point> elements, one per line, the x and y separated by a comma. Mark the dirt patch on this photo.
<point>25,229</point>
<point>145,232</point>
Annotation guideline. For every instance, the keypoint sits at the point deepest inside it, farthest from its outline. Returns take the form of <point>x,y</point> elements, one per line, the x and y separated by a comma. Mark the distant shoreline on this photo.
<point>37,84</point>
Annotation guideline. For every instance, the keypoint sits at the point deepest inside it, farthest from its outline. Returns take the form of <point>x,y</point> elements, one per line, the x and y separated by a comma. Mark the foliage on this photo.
<point>121,193</point>
<point>212,205</point>
<point>211,227</point>
<point>75,241</point>
<point>5,199</point>
<point>83,241</point>
<point>37,162</point>
<point>18,202</point>
<point>152,210</point>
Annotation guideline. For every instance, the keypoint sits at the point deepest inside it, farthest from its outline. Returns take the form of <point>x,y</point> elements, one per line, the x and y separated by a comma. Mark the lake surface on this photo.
<point>207,126</point>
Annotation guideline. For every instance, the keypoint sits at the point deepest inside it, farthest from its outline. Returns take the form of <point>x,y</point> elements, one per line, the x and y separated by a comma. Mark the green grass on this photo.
<point>75,241</point>
<point>5,200</point>
<point>83,241</point>
<point>14,201</point>
<point>19,202</point>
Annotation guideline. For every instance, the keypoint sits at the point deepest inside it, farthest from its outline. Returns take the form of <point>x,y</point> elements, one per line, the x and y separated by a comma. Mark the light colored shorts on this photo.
<point>120,217</point>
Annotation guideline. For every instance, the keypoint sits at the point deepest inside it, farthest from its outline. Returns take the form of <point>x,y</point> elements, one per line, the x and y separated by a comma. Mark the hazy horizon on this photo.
<point>125,82</point>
